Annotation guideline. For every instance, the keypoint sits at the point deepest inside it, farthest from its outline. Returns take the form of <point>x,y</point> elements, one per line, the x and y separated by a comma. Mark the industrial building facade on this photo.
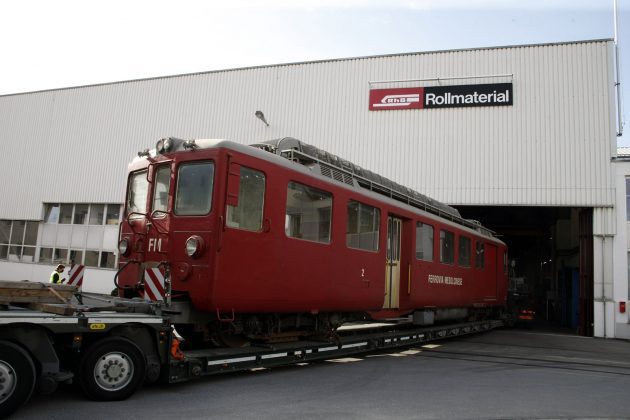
<point>521,138</point>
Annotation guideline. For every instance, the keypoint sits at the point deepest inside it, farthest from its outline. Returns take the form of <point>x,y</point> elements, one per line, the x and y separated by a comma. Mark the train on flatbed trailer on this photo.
<point>283,240</point>
<point>258,256</point>
<point>112,346</point>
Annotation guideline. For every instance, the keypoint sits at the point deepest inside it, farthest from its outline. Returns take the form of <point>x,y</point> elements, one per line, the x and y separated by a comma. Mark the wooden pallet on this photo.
<point>54,298</point>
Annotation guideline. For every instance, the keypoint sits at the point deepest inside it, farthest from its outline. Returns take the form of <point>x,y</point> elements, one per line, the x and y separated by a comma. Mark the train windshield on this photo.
<point>137,194</point>
<point>193,196</point>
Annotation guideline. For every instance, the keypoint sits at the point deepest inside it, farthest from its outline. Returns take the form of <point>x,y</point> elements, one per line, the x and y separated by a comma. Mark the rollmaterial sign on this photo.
<point>495,94</point>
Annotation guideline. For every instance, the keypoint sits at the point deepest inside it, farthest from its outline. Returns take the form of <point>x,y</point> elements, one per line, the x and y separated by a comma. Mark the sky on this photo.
<point>53,44</point>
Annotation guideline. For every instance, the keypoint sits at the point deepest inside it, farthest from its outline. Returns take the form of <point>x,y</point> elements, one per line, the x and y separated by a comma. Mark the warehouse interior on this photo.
<point>551,261</point>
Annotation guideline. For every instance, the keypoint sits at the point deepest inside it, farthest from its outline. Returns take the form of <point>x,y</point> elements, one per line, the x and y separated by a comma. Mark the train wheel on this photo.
<point>112,369</point>
<point>17,377</point>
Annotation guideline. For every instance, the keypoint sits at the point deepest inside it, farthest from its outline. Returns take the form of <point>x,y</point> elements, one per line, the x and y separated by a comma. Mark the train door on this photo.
<point>392,266</point>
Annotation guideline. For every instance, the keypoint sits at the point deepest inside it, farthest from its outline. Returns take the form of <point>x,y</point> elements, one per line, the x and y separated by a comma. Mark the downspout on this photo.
<point>617,71</point>
<point>604,297</point>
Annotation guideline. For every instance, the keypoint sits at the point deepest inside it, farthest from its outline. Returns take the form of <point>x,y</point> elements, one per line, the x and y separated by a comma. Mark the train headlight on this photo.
<point>194,246</point>
<point>123,247</point>
<point>164,145</point>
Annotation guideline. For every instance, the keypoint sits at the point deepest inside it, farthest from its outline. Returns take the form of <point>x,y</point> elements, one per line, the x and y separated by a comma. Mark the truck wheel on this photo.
<point>17,377</point>
<point>112,369</point>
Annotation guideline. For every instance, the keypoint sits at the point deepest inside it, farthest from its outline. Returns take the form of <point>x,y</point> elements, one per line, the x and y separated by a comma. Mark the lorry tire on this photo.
<point>17,377</point>
<point>111,369</point>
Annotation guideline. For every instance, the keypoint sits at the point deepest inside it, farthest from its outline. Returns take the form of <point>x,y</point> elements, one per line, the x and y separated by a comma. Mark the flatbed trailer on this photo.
<point>111,350</point>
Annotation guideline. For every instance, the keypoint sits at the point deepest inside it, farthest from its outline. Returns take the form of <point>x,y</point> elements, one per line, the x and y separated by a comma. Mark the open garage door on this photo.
<point>551,255</point>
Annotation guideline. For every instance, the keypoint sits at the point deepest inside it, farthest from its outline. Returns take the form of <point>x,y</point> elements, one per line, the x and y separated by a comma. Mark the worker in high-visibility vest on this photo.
<point>55,276</point>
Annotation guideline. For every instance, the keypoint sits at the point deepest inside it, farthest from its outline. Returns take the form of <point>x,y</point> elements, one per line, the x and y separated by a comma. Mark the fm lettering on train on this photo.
<point>447,280</point>
<point>155,245</point>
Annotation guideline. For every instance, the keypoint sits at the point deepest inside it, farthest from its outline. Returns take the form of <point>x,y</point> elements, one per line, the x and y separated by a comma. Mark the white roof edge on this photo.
<point>500,47</point>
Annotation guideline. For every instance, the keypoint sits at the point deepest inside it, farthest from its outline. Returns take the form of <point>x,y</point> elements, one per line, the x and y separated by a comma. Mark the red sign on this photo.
<point>493,94</point>
<point>402,98</point>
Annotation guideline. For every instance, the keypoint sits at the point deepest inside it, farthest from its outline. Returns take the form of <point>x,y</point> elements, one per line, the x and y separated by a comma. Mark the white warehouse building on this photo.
<point>521,138</point>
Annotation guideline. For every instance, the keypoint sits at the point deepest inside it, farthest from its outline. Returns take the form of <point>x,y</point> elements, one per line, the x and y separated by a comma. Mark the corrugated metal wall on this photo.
<point>552,147</point>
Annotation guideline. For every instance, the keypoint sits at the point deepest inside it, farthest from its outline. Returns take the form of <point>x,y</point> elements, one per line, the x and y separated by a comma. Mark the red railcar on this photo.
<point>283,238</point>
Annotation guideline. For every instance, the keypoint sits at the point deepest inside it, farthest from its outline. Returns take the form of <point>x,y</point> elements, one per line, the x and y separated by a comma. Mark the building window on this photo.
<point>91,258</point>
<point>424,242</point>
<point>97,212</point>
<point>628,199</point>
<point>113,214</point>
<point>362,230</point>
<point>308,213</point>
<point>28,254</point>
<point>80,214</point>
<point>15,253</point>
<point>76,256</point>
<point>52,213</point>
<point>108,260</point>
<point>60,255</point>
<point>65,214</point>
<point>5,231</point>
<point>17,232</point>
<point>80,224</point>
<point>463,258</point>
<point>30,234</point>
<point>248,213</point>
<point>46,255</point>
<point>447,247</point>
<point>18,239</point>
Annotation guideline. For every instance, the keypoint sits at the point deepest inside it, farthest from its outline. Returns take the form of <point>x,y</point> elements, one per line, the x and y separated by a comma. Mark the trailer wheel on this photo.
<point>112,369</point>
<point>17,377</point>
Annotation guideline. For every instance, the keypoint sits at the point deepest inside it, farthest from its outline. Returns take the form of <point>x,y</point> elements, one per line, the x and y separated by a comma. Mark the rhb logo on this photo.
<point>403,98</point>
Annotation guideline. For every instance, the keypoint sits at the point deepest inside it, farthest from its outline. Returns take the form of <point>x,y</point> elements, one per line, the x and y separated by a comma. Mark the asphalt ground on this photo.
<point>502,374</point>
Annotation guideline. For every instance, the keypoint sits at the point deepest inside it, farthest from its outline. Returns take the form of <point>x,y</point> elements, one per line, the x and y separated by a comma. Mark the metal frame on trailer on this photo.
<point>352,342</point>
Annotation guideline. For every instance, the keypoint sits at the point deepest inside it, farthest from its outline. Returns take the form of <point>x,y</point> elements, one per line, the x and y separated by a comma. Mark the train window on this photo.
<point>248,214</point>
<point>363,226</point>
<point>193,196</point>
<point>160,190</point>
<point>480,255</point>
<point>308,213</point>
<point>447,247</point>
<point>465,248</point>
<point>137,194</point>
<point>424,242</point>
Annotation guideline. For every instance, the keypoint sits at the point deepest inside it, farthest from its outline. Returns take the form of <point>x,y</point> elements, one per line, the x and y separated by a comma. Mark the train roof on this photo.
<point>294,154</point>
